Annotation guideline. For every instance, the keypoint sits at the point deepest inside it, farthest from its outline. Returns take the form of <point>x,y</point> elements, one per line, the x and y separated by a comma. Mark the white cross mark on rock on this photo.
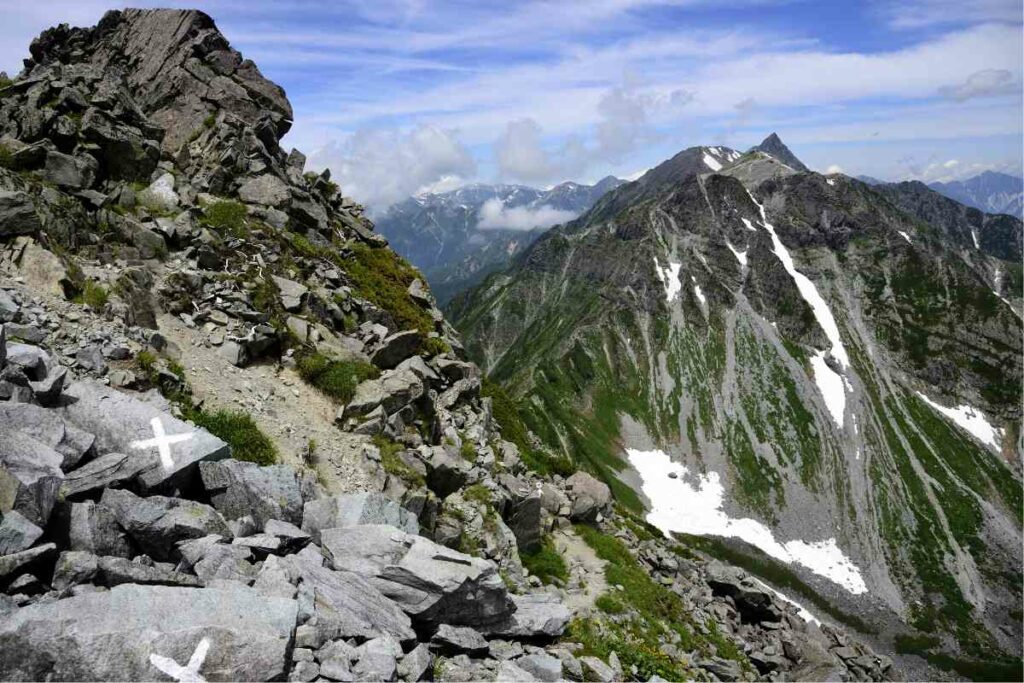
<point>162,442</point>
<point>188,673</point>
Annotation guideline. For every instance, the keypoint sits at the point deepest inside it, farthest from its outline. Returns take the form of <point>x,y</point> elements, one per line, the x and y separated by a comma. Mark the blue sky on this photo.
<point>396,96</point>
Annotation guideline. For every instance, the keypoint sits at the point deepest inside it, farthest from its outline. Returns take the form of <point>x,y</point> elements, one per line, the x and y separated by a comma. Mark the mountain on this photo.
<point>870,180</point>
<point>815,374</point>
<point>239,440</point>
<point>773,146</point>
<point>990,191</point>
<point>456,243</point>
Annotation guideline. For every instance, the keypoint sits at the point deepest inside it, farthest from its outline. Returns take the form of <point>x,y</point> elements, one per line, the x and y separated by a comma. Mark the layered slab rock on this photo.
<point>90,405</point>
<point>352,509</point>
<point>240,488</point>
<point>30,476</point>
<point>113,635</point>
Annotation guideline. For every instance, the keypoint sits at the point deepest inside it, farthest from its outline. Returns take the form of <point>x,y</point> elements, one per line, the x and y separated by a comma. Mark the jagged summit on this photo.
<point>178,67</point>
<point>774,146</point>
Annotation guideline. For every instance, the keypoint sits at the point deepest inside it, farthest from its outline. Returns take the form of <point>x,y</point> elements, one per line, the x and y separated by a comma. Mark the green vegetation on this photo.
<point>335,378</point>
<point>506,413</point>
<point>468,451</point>
<point>240,432</point>
<point>383,277</point>
<point>209,121</point>
<point>655,611</point>
<point>994,669</point>
<point>226,216</point>
<point>393,463</point>
<point>93,294</point>
<point>546,563</point>
<point>6,156</point>
<point>433,346</point>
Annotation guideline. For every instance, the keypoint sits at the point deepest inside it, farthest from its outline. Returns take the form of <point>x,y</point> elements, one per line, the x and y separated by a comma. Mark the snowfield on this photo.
<point>970,420</point>
<point>692,504</point>
<point>669,278</point>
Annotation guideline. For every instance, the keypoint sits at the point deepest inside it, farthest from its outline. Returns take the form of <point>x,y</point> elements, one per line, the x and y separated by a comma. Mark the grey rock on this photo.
<point>378,660</point>
<point>346,605</point>
<point>89,407</point>
<point>70,172</point>
<point>260,544</point>
<point>393,390</point>
<point>292,537</point>
<point>396,348</point>
<point>105,471</point>
<point>91,358</point>
<point>414,665</point>
<point>589,496</point>
<point>336,660</point>
<point>447,470</point>
<point>47,390</point>
<point>157,523</point>
<point>724,669</point>
<point>504,649</point>
<point>510,671</point>
<point>541,666</point>
<point>433,584</point>
<point>526,520</point>
<point>48,427</point>
<point>111,635</point>
<point>11,565</point>
<point>273,579</point>
<point>18,214</point>
<point>30,476</point>
<point>754,602</point>
<point>74,567</point>
<point>304,671</point>
<point>29,334</point>
<point>239,488</point>
<point>596,670</point>
<point>89,527</point>
<point>537,615</point>
<point>352,509</point>
<point>292,293</point>
<point>212,560</point>
<point>17,533</point>
<point>267,190</point>
<point>452,640</point>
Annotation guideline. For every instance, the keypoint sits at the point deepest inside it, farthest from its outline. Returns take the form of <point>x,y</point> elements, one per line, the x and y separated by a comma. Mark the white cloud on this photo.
<point>915,14</point>
<point>984,83</point>
<point>834,168</point>
<point>494,214</point>
<point>381,167</point>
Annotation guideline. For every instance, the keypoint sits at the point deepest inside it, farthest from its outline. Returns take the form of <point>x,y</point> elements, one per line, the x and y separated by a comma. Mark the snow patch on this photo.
<point>830,181</point>
<point>831,383</point>
<point>692,504</point>
<point>741,256</point>
<point>905,236</point>
<point>696,290</point>
<point>669,277</point>
<point>970,420</point>
<point>974,236</point>
<point>750,226</point>
<point>804,613</point>
<point>712,163</point>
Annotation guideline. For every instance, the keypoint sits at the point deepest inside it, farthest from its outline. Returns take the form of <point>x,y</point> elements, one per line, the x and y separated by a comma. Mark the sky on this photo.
<point>404,96</point>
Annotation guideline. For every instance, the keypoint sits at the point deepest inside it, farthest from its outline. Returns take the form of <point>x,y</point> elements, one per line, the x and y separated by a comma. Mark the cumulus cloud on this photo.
<point>834,168</point>
<point>623,125</point>
<point>381,167</point>
<point>494,214</point>
<point>984,83</point>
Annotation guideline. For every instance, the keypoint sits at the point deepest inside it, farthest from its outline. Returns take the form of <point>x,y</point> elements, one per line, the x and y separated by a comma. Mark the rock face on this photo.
<point>113,635</point>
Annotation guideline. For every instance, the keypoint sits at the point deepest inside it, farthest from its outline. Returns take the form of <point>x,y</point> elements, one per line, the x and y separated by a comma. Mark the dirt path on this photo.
<point>287,409</point>
<point>586,571</point>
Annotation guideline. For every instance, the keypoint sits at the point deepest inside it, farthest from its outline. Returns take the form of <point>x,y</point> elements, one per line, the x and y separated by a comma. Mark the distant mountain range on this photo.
<point>457,238</point>
<point>991,192</point>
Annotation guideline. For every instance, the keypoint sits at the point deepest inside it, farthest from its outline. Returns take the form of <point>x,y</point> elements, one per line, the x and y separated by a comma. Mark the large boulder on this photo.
<point>433,584</point>
<point>589,496</point>
<point>393,390</point>
<point>156,524</point>
<point>353,509</point>
<point>537,615</point>
<point>131,632</point>
<point>30,476</point>
<point>48,427</point>
<point>396,348</point>
<point>17,533</point>
<point>239,488</point>
<point>105,471</point>
<point>266,190</point>
<point>18,214</point>
<point>344,604</point>
<point>90,527</point>
<point>136,432</point>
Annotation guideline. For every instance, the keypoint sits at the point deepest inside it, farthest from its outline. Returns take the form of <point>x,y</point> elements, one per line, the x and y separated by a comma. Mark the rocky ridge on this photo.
<point>151,228</point>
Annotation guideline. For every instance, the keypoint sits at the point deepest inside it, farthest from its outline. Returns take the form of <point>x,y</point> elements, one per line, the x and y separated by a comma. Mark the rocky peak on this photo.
<point>774,146</point>
<point>179,68</point>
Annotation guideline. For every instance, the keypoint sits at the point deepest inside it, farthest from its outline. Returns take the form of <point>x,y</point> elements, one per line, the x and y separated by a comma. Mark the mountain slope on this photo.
<point>774,146</point>
<point>457,242</point>
<point>989,191</point>
<point>807,346</point>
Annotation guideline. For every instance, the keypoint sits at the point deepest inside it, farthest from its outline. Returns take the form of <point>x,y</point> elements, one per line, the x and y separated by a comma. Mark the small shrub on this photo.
<point>477,493</point>
<point>546,563</point>
<point>6,157</point>
<point>434,346</point>
<point>309,453</point>
<point>226,216</point>
<point>335,378</point>
<point>383,277</point>
<point>209,121</point>
<point>393,463</point>
<point>468,451</point>
<point>240,432</point>
<point>93,294</point>
<point>608,604</point>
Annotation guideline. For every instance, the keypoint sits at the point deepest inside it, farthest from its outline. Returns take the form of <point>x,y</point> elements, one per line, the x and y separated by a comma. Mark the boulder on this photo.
<point>17,533</point>
<point>239,488</point>
<point>105,471</point>
<point>160,194</point>
<point>541,666</point>
<point>30,476</point>
<point>393,390</point>
<point>596,670</point>
<point>433,584</point>
<point>211,560</point>
<point>589,496</point>
<point>130,633</point>
<point>396,348</point>
<point>377,660</point>
<point>509,671</point>
<point>451,640</point>
<point>89,405</point>
<point>157,523</point>
<point>18,214</point>
<point>90,527</point>
<point>353,509</point>
<point>345,605</point>
<point>69,172</point>
<point>415,663</point>
<point>525,517</point>
<point>75,567</point>
<point>536,615</point>
<point>292,537</point>
<point>447,470</point>
<point>266,190</point>
<point>753,601</point>
<point>292,293</point>
<point>16,563</point>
